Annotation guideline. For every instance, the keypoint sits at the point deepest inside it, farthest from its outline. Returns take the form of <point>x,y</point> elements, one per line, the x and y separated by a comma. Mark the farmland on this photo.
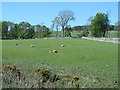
<point>94,62</point>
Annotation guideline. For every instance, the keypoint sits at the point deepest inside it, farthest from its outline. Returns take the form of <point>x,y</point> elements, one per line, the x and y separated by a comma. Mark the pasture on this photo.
<point>94,62</point>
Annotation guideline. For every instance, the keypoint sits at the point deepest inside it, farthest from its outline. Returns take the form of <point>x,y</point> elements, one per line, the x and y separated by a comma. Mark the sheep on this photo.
<point>32,45</point>
<point>62,46</point>
<point>50,51</point>
<point>107,65</point>
<point>55,51</point>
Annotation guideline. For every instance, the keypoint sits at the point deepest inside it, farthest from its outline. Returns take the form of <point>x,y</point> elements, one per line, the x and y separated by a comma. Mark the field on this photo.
<point>94,62</point>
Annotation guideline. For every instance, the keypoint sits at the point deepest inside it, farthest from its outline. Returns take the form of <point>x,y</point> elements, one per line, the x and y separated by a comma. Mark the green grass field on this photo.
<point>94,62</point>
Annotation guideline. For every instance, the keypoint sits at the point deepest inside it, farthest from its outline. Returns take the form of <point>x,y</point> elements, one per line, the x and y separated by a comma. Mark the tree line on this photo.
<point>23,30</point>
<point>87,27</point>
<point>99,25</point>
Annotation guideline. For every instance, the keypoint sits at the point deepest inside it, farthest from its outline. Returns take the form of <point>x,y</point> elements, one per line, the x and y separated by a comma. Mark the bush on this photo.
<point>11,74</point>
<point>60,35</point>
<point>84,33</point>
<point>78,35</point>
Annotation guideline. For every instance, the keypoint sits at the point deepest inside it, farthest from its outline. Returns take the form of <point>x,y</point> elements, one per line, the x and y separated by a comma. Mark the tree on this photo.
<point>4,30</point>
<point>43,31</point>
<point>27,25</point>
<point>56,22</point>
<point>36,30</point>
<point>12,30</point>
<point>29,33</point>
<point>90,20</point>
<point>68,31</point>
<point>65,16</point>
<point>16,29</point>
<point>24,30</point>
<point>21,31</point>
<point>22,25</point>
<point>99,24</point>
<point>12,33</point>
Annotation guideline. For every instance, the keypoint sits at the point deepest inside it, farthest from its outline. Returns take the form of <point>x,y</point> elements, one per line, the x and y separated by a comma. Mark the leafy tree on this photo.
<point>22,25</point>
<point>12,30</point>
<point>99,24</point>
<point>4,30</point>
<point>16,29</point>
<point>65,16</point>
<point>25,30</point>
<point>37,29</point>
<point>68,31</point>
<point>27,25</point>
<point>30,32</point>
<point>21,31</point>
<point>43,31</point>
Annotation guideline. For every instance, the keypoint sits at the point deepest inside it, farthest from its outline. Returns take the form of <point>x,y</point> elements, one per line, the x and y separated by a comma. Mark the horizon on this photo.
<point>43,13</point>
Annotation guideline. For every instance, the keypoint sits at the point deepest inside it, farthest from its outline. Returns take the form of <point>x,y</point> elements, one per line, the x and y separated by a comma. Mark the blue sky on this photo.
<point>45,12</point>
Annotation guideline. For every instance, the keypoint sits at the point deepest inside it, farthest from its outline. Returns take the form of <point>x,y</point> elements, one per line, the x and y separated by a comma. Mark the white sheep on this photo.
<point>55,51</point>
<point>107,65</point>
<point>62,46</point>
<point>32,45</point>
<point>50,51</point>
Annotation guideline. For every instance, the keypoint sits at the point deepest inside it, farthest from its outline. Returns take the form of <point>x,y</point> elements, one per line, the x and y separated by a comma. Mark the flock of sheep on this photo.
<point>54,51</point>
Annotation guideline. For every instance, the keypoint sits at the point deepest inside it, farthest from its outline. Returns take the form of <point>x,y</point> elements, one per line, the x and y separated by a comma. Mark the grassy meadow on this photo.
<point>94,62</point>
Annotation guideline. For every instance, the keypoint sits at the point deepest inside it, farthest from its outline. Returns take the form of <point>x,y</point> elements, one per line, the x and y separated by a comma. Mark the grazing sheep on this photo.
<point>16,43</point>
<point>32,45</point>
<point>55,51</point>
<point>107,65</point>
<point>50,52</point>
<point>62,46</point>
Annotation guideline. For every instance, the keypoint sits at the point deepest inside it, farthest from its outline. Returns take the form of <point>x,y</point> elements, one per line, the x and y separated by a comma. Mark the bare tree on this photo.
<point>90,20</point>
<point>65,17</point>
<point>56,22</point>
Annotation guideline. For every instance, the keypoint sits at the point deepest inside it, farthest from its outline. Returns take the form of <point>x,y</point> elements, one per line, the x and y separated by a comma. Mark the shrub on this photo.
<point>46,75</point>
<point>79,35</point>
<point>84,33</point>
<point>11,74</point>
<point>76,78</point>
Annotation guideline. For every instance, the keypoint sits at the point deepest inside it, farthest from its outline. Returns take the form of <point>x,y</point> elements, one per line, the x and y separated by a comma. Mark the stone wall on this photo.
<point>113,40</point>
